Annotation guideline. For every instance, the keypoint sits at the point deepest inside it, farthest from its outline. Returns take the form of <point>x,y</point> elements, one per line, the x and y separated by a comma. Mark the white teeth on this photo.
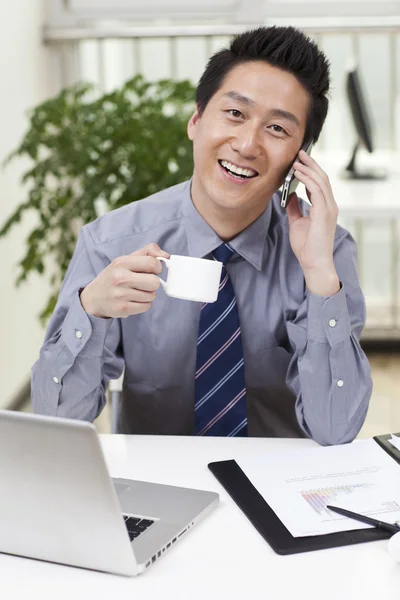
<point>237,170</point>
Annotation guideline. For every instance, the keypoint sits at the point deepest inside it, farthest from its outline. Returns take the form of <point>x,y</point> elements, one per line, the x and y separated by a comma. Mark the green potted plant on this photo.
<point>88,151</point>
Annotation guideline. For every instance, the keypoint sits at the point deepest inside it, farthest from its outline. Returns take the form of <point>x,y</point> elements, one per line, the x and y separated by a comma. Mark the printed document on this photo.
<point>298,485</point>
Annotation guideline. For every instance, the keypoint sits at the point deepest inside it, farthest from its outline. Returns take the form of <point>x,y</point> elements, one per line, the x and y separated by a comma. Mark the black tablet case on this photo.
<point>267,523</point>
<point>387,446</point>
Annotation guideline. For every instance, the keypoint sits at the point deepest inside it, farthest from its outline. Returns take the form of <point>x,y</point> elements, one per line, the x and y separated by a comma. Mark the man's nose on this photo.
<point>247,141</point>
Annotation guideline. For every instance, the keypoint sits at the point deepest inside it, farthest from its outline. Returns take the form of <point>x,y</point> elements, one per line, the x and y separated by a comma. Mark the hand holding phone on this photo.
<point>290,184</point>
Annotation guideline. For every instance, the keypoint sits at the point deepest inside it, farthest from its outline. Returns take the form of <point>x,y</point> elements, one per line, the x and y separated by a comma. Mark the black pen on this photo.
<point>364,519</point>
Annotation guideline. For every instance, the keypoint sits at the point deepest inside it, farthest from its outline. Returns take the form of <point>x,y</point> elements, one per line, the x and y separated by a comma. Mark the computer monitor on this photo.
<point>363,126</point>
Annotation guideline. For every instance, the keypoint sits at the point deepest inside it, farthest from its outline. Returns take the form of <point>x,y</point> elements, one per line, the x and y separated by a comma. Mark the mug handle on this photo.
<point>166,261</point>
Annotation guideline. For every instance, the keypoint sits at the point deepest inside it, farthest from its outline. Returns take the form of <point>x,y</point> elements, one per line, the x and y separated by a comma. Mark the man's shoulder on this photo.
<point>138,217</point>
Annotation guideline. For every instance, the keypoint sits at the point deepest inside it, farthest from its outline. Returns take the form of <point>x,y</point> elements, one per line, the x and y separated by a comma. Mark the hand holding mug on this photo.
<point>127,286</point>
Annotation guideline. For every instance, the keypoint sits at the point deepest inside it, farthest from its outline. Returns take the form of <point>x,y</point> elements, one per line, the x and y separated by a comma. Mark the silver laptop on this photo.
<point>59,504</point>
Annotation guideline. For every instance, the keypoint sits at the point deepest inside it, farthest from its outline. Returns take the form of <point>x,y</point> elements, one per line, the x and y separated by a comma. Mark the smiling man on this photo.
<point>278,353</point>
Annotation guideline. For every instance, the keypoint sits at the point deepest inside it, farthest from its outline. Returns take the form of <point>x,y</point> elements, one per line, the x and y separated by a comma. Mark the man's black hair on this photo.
<point>286,48</point>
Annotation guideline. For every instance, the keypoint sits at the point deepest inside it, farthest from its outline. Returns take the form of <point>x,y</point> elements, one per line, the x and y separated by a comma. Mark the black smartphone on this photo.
<point>290,184</point>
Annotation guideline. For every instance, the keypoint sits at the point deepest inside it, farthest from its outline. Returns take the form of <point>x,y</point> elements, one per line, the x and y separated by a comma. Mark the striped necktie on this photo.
<point>220,389</point>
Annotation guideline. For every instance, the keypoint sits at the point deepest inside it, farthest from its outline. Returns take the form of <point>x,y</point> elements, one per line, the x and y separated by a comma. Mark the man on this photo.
<point>278,354</point>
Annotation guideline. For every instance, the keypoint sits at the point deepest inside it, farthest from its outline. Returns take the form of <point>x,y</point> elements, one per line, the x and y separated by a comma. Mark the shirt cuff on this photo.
<point>328,318</point>
<point>82,331</point>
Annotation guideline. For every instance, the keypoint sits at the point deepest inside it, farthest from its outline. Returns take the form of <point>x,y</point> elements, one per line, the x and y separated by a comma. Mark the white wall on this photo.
<point>25,81</point>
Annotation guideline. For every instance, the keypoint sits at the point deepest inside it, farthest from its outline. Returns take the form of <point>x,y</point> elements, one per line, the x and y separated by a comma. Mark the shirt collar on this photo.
<point>202,239</point>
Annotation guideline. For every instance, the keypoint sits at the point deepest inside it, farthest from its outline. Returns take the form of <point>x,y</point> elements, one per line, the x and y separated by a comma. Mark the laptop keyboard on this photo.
<point>136,526</point>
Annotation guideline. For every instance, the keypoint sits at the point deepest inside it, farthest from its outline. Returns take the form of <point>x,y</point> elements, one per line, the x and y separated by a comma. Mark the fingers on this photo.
<point>128,301</point>
<point>134,278</point>
<point>314,191</point>
<point>134,295</point>
<point>138,263</point>
<point>321,180</point>
<point>309,161</point>
<point>125,278</point>
<point>151,250</point>
<point>145,260</point>
<point>293,210</point>
<point>319,194</point>
<point>144,282</point>
<point>311,174</point>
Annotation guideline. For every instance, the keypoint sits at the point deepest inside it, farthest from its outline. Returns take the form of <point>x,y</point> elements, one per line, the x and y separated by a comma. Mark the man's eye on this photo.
<point>278,129</point>
<point>235,113</point>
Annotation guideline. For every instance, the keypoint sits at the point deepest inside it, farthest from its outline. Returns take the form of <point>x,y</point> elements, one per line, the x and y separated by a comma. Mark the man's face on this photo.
<point>256,121</point>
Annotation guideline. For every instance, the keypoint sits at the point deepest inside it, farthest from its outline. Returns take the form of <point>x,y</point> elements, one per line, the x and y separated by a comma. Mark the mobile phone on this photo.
<point>290,184</point>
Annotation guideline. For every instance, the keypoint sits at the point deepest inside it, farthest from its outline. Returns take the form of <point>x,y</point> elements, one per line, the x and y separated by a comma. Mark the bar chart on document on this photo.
<point>298,486</point>
<point>319,498</point>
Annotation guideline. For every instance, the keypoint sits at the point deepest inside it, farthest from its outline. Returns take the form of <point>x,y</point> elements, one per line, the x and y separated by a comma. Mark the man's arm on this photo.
<point>329,372</point>
<point>80,351</point>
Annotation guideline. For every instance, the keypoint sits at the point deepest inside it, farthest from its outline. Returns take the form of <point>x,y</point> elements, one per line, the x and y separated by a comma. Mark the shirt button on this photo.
<point>55,379</point>
<point>78,334</point>
<point>340,383</point>
<point>332,323</point>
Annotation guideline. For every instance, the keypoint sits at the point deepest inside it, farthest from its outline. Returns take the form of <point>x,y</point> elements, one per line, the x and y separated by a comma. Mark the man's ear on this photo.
<point>192,123</point>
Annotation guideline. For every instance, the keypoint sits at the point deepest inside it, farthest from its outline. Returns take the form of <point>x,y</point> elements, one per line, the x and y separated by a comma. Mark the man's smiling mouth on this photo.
<point>238,172</point>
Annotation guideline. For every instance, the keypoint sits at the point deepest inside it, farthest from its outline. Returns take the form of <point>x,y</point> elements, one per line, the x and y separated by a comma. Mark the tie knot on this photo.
<point>223,253</point>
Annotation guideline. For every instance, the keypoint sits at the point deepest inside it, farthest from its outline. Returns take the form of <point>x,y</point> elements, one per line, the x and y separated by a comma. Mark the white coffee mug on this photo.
<point>189,278</point>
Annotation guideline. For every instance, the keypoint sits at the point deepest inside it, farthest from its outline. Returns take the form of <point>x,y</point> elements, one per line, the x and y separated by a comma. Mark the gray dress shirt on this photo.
<point>306,374</point>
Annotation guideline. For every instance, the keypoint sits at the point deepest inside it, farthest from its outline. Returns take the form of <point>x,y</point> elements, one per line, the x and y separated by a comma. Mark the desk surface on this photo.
<point>222,557</point>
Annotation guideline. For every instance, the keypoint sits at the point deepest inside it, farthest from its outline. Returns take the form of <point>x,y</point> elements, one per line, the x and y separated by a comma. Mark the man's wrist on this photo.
<point>323,282</point>
<point>86,302</point>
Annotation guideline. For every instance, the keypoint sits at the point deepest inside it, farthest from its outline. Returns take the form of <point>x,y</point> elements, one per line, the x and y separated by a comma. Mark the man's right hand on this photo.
<point>127,286</point>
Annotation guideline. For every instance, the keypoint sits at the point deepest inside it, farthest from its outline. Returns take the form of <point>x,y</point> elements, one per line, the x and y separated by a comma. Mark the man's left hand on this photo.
<point>312,237</point>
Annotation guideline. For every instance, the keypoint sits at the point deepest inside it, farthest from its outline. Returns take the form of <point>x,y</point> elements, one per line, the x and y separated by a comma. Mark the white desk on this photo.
<point>224,557</point>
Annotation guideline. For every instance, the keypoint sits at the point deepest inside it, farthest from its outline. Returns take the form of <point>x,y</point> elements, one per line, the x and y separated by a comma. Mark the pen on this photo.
<point>364,519</point>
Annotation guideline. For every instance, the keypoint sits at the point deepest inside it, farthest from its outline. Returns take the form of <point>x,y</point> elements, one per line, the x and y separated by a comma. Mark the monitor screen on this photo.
<point>359,111</point>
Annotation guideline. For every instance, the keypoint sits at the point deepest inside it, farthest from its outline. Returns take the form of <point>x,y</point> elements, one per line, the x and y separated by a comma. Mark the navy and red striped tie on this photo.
<point>220,389</point>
